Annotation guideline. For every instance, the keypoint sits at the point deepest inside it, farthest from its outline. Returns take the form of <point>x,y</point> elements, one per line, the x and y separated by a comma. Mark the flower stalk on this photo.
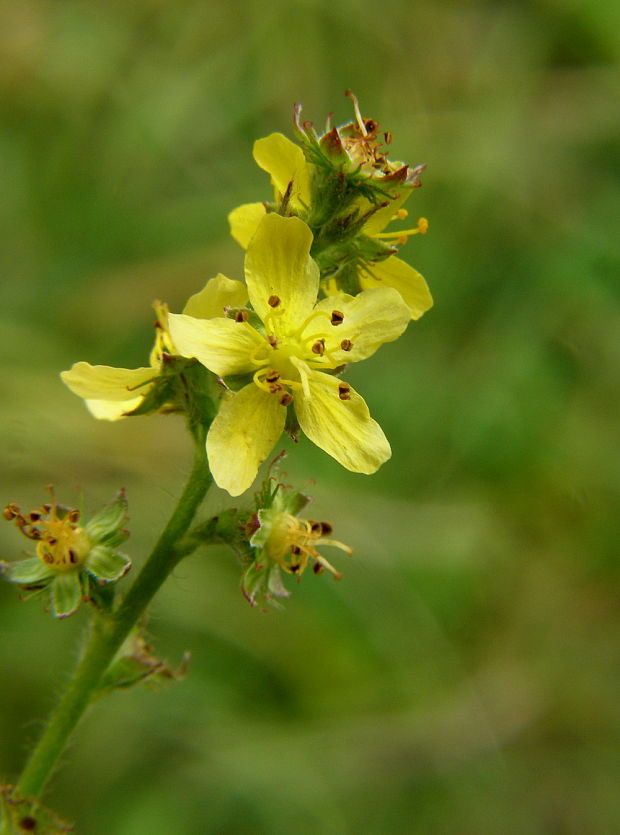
<point>109,631</point>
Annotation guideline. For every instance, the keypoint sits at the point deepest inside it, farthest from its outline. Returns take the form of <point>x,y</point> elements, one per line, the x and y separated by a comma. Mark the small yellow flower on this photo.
<point>113,393</point>
<point>290,354</point>
<point>292,176</point>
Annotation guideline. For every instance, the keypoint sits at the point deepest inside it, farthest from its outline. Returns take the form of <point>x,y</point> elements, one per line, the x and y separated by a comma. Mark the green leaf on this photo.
<point>66,594</point>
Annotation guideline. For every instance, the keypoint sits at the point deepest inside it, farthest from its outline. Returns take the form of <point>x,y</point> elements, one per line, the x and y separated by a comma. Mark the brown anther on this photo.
<point>319,347</point>
<point>326,528</point>
<point>34,515</point>
<point>296,550</point>
<point>72,556</point>
<point>272,340</point>
<point>273,301</point>
<point>73,516</point>
<point>344,391</point>
<point>48,558</point>
<point>52,540</point>
<point>294,568</point>
<point>318,568</point>
<point>286,398</point>
<point>10,511</point>
<point>387,137</point>
<point>337,317</point>
<point>274,387</point>
<point>241,316</point>
<point>28,824</point>
<point>272,375</point>
<point>346,344</point>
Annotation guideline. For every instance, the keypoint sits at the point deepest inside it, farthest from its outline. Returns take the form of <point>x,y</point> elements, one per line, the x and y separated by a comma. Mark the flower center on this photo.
<point>61,543</point>
<point>285,351</point>
<point>291,542</point>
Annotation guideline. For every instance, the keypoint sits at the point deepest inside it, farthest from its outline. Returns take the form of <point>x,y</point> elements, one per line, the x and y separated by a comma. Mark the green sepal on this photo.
<point>105,525</point>
<point>136,663</point>
<point>66,593</point>
<point>30,572</point>
<point>107,565</point>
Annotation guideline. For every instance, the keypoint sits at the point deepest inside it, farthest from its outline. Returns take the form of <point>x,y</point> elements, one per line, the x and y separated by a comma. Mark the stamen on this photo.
<point>319,347</point>
<point>344,391</point>
<point>273,301</point>
<point>254,355</point>
<point>356,108</point>
<point>337,317</point>
<point>314,315</point>
<point>272,339</point>
<point>241,316</point>
<point>401,235</point>
<point>272,376</point>
<point>286,398</point>
<point>346,344</point>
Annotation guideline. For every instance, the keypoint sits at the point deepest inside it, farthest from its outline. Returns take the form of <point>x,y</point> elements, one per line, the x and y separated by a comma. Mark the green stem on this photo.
<point>108,633</point>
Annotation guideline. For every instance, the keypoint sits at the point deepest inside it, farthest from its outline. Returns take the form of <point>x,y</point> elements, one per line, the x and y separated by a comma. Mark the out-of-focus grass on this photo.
<point>463,676</point>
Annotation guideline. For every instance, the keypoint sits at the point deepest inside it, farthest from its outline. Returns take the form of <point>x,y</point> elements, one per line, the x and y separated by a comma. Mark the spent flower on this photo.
<point>343,185</point>
<point>72,558</point>
<point>282,542</point>
<point>293,346</point>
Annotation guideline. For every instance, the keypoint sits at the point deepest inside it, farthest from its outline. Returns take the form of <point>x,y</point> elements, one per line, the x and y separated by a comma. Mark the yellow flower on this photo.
<point>288,354</point>
<point>292,176</point>
<point>113,393</point>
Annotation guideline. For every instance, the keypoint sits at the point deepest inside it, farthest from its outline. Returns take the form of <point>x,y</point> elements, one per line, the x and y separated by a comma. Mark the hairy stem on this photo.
<point>109,632</point>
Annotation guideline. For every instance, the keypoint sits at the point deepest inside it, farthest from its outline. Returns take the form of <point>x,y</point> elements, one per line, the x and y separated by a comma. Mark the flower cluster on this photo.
<point>246,361</point>
<point>72,559</point>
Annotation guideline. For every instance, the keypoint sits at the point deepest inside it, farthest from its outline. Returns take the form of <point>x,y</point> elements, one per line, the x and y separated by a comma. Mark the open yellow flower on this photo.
<point>288,354</point>
<point>113,393</point>
<point>291,175</point>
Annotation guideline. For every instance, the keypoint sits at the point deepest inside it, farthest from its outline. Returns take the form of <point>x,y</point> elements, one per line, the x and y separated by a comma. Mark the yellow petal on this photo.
<point>397,274</point>
<point>370,319</point>
<point>343,428</point>
<point>286,163</point>
<point>218,293</point>
<point>222,345</point>
<point>242,435</point>
<point>103,382</point>
<point>112,409</point>
<point>278,264</point>
<point>243,221</point>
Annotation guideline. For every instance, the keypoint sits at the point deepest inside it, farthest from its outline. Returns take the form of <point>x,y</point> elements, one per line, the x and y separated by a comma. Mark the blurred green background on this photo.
<point>464,676</point>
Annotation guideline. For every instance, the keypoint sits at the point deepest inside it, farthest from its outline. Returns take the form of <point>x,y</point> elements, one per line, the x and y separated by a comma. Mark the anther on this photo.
<point>34,515</point>
<point>344,391</point>
<point>72,556</point>
<point>295,550</point>
<point>326,528</point>
<point>73,516</point>
<point>319,347</point>
<point>241,316</point>
<point>273,301</point>
<point>346,344</point>
<point>10,511</point>
<point>48,558</point>
<point>272,340</point>
<point>286,398</point>
<point>337,317</point>
<point>272,376</point>
<point>318,568</point>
